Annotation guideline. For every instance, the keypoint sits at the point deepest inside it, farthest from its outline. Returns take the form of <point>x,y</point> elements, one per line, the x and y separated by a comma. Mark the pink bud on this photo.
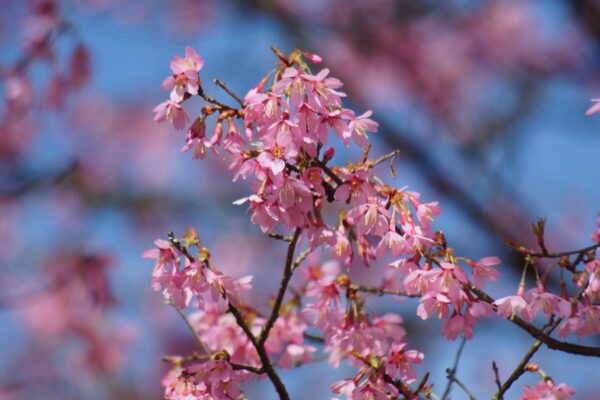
<point>315,58</point>
<point>329,153</point>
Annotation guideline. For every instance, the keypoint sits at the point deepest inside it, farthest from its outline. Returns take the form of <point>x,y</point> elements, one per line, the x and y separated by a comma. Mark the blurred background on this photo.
<point>484,99</point>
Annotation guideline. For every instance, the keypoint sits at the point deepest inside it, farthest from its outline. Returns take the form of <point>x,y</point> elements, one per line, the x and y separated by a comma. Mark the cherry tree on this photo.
<point>279,139</point>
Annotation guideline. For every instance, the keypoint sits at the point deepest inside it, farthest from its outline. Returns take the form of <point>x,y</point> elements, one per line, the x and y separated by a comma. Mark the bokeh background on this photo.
<point>484,99</point>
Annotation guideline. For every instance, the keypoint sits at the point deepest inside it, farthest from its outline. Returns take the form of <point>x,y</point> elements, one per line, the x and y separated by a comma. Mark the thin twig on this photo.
<point>287,275</point>
<point>329,172</point>
<point>496,375</point>
<point>278,236</point>
<point>557,254</point>
<point>452,372</point>
<point>453,378</point>
<point>384,158</point>
<point>237,98</point>
<point>196,334</point>
<point>301,257</point>
<point>212,100</point>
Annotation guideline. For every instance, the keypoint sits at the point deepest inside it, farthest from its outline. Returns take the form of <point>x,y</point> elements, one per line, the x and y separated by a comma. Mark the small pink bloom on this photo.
<point>192,62</point>
<point>359,126</point>
<point>173,112</point>
<point>482,271</point>
<point>510,305</point>
<point>314,58</point>
<point>547,390</point>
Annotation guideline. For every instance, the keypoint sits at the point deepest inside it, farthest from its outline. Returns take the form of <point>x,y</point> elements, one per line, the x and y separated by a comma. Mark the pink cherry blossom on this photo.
<point>173,112</point>
<point>482,271</point>
<point>359,126</point>
<point>547,390</point>
<point>509,306</point>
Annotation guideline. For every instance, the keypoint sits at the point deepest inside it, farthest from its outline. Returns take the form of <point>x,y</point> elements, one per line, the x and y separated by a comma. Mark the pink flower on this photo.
<point>192,62</point>
<point>213,379</point>
<point>551,304</point>
<point>196,139</point>
<point>173,112</point>
<point>370,218</point>
<point>458,324</point>
<point>482,271</point>
<point>426,212</point>
<point>359,126</point>
<point>185,75</point>
<point>594,108</point>
<point>510,305</point>
<point>399,362</point>
<point>321,91</point>
<point>547,390</point>
<point>584,321</point>
<point>356,188</point>
<point>592,292</point>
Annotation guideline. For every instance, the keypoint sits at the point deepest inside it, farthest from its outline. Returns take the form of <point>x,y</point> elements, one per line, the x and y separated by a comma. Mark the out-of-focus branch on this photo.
<point>39,183</point>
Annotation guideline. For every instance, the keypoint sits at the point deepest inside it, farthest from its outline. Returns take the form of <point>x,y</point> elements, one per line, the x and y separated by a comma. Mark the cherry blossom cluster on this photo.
<point>280,141</point>
<point>578,307</point>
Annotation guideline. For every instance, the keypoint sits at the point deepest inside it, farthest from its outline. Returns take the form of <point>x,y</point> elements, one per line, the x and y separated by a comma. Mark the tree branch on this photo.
<point>451,372</point>
<point>287,275</point>
<point>550,342</point>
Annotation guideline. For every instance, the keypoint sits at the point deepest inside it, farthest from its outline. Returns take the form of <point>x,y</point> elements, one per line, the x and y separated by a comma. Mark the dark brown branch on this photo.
<point>381,292</point>
<point>550,342</point>
<point>285,280</point>
<point>267,366</point>
<point>496,375</point>
<point>402,388</point>
<point>329,172</point>
<point>279,237</point>
<point>557,254</point>
<point>212,100</point>
<point>521,367</point>
<point>314,338</point>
